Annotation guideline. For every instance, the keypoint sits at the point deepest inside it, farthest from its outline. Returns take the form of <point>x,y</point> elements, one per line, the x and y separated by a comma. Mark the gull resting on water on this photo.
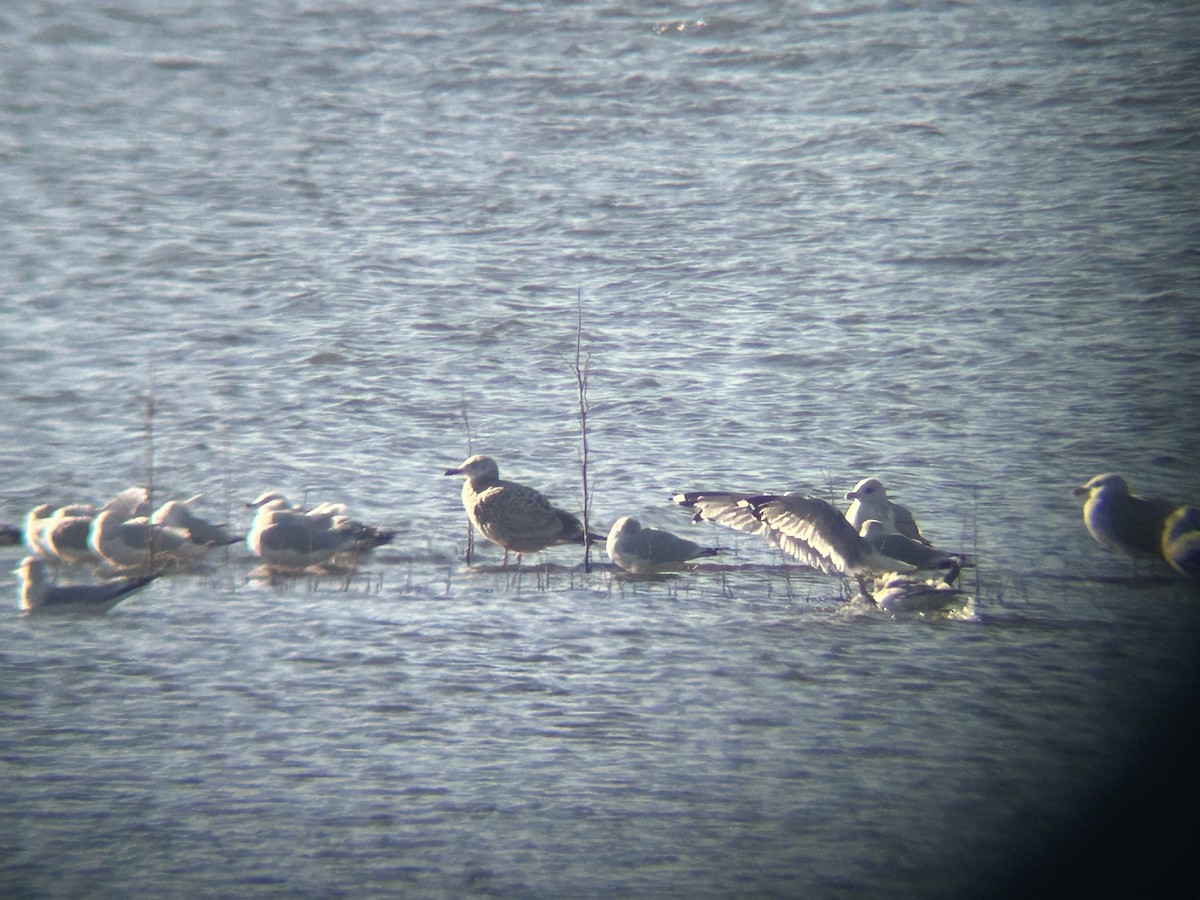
<point>137,544</point>
<point>64,533</point>
<point>287,538</point>
<point>648,550</point>
<point>37,594</point>
<point>179,514</point>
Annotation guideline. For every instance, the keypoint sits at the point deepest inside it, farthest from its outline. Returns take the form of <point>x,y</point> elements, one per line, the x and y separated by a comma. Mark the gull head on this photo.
<point>868,490</point>
<point>625,525</point>
<point>479,469</point>
<point>873,530</point>
<point>268,497</point>
<point>1109,482</point>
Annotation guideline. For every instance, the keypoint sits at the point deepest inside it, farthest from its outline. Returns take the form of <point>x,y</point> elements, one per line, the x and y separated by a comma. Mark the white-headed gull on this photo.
<point>649,550</point>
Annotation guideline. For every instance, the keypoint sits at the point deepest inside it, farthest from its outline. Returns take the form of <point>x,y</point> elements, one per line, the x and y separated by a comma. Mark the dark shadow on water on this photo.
<point>1137,836</point>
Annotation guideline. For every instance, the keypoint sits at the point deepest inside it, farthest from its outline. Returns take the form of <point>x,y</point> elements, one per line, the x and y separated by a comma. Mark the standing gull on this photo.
<point>37,594</point>
<point>871,502</point>
<point>1122,522</point>
<point>515,516</point>
<point>1181,540</point>
<point>645,551</point>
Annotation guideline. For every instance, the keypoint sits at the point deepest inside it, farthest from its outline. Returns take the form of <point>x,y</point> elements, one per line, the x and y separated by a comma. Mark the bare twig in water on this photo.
<point>462,411</point>
<point>148,427</point>
<point>581,368</point>
<point>227,478</point>
<point>975,533</point>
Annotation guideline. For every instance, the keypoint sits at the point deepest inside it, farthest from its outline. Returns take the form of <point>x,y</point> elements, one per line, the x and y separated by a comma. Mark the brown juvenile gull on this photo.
<point>287,538</point>
<point>807,528</point>
<point>645,551</point>
<point>1122,522</point>
<point>37,594</point>
<point>871,502</point>
<point>515,516</point>
<point>1181,540</point>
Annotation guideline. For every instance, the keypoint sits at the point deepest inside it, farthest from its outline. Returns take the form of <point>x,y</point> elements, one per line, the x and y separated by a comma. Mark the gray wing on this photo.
<point>100,596</point>
<point>660,548</point>
<point>906,524</point>
<point>916,553</point>
<point>1139,522</point>
<point>293,534</point>
<point>199,529</point>
<point>722,508</point>
<point>814,532</point>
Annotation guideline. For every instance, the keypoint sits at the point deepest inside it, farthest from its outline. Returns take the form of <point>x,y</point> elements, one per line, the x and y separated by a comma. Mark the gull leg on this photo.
<point>862,586</point>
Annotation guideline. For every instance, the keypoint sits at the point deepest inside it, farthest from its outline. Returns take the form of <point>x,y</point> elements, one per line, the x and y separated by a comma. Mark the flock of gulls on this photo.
<point>875,542</point>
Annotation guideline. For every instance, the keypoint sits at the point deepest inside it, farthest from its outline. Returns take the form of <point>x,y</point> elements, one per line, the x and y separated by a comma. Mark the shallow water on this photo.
<point>946,245</point>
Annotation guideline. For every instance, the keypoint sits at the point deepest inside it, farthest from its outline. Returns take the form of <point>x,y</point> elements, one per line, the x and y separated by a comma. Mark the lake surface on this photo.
<point>331,248</point>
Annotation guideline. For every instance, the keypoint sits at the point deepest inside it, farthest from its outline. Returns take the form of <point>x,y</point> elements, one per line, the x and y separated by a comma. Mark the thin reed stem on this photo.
<point>581,368</point>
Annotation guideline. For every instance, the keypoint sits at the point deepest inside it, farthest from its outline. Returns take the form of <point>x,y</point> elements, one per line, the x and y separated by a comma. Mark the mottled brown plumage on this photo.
<point>514,516</point>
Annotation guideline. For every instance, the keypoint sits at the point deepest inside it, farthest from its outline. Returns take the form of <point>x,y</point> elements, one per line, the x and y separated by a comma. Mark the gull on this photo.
<point>1181,540</point>
<point>35,526</point>
<point>871,502</point>
<point>807,528</point>
<point>649,550</point>
<point>37,594</point>
<point>923,555</point>
<point>64,534</point>
<point>515,516</point>
<point>905,593</point>
<point>284,537</point>
<point>1122,522</point>
<point>179,514</point>
<point>138,544</point>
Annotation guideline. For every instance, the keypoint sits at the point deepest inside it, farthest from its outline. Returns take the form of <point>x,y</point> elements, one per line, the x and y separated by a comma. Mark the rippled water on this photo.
<point>949,245</point>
